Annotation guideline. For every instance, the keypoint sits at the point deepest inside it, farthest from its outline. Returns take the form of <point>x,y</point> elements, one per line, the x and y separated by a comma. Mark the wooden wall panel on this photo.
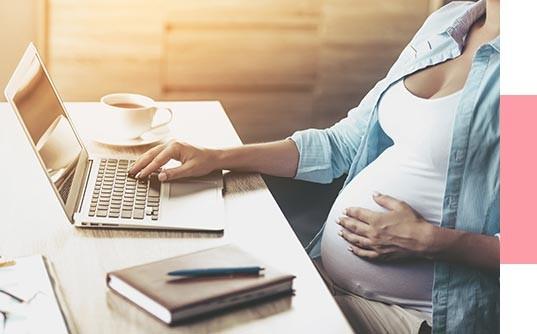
<point>361,39</point>
<point>257,58</point>
<point>259,116</point>
<point>97,47</point>
<point>260,61</point>
<point>89,79</point>
<point>276,65</point>
<point>295,12</point>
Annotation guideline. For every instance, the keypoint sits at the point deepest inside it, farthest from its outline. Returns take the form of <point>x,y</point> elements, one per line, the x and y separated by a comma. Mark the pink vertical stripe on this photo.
<point>518,179</point>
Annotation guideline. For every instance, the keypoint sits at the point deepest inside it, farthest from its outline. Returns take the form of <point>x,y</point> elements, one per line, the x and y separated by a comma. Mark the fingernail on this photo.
<point>376,194</point>
<point>340,233</point>
<point>349,249</point>
<point>162,176</point>
<point>344,212</point>
<point>139,175</point>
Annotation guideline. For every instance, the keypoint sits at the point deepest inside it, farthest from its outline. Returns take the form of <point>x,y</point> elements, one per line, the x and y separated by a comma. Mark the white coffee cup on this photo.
<point>129,116</point>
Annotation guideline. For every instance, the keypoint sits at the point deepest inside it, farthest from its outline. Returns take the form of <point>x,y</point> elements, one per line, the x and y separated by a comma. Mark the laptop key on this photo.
<point>138,214</point>
<point>102,213</point>
<point>126,214</point>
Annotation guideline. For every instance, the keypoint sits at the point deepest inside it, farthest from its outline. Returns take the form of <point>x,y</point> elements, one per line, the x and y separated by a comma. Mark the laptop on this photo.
<point>97,191</point>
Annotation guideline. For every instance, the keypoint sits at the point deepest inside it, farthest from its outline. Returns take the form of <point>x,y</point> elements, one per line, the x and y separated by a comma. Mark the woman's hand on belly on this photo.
<point>396,234</point>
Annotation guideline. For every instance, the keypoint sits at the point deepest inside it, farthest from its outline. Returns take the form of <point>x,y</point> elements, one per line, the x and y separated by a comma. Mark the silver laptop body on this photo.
<point>96,191</point>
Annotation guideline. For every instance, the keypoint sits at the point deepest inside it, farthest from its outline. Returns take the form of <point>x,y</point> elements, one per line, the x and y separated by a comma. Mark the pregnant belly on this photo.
<point>406,283</point>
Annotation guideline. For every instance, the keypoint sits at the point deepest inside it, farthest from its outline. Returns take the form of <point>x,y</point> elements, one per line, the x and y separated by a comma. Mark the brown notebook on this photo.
<point>174,299</point>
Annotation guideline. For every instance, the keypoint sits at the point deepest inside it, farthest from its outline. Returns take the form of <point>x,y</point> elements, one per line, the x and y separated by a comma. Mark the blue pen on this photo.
<point>208,272</point>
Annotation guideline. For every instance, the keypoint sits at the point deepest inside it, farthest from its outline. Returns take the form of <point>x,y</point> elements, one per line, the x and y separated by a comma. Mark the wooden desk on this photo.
<point>33,222</point>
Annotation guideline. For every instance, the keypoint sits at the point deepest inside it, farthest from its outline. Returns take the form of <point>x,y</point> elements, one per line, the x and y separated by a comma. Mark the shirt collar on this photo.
<point>496,44</point>
<point>460,27</point>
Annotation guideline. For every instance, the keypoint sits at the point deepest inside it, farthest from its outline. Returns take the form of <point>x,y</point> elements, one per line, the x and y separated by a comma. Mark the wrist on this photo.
<point>439,241</point>
<point>218,157</point>
<point>427,238</point>
<point>430,245</point>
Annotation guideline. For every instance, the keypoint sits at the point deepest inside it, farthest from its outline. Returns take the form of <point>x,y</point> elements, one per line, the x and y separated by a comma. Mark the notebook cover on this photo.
<point>176,294</point>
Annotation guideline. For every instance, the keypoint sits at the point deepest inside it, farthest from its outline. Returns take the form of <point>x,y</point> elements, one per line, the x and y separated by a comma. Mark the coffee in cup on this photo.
<point>129,116</point>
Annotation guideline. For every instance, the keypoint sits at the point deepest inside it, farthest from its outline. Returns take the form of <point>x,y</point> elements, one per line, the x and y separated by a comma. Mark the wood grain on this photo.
<point>33,222</point>
<point>277,65</point>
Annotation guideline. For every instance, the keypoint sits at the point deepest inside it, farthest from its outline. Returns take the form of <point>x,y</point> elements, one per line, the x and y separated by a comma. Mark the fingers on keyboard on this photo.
<point>117,195</point>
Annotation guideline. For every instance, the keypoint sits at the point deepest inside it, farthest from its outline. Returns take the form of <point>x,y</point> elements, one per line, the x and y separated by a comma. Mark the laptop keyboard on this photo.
<point>65,188</point>
<point>116,195</point>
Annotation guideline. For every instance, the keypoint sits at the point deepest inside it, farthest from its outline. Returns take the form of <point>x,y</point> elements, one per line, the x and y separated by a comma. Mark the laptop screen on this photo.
<point>47,125</point>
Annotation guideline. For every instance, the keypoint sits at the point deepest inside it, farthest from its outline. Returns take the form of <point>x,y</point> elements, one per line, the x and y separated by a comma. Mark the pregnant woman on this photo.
<point>412,239</point>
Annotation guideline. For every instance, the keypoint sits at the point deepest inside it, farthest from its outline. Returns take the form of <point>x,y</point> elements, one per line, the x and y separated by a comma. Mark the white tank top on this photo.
<point>414,170</point>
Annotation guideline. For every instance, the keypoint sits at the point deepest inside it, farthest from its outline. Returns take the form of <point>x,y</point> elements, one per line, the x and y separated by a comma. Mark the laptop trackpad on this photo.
<point>195,204</point>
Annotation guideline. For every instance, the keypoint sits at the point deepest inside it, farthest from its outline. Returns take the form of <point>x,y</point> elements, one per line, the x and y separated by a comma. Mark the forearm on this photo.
<point>472,249</point>
<point>278,158</point>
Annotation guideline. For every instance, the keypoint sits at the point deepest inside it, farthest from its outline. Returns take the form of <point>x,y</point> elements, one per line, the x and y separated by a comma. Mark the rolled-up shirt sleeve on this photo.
<point>326,154</point>
<point>313,165</point>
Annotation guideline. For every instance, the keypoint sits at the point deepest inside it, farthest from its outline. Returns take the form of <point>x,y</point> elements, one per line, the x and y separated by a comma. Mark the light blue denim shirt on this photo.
<point>465,300</point>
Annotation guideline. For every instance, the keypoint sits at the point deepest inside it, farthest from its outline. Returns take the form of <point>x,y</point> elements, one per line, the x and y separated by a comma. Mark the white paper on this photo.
<point>28,279</point>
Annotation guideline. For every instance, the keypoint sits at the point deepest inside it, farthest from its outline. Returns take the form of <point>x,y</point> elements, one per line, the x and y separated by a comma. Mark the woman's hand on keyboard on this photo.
<point>195,161</point>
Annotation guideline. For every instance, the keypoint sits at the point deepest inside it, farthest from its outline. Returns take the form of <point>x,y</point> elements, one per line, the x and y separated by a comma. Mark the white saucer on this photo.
<point>147,138</point>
